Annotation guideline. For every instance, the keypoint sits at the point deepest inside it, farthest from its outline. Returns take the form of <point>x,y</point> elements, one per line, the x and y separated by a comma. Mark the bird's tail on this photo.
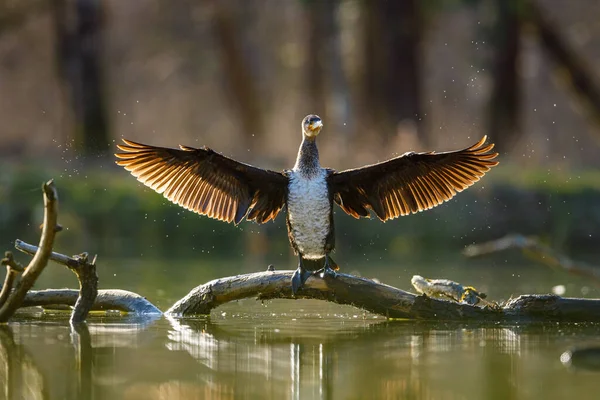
<point>314,265</point>
<point>308,269</point>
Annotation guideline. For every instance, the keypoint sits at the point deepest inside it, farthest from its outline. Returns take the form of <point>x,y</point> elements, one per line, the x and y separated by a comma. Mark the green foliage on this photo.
<point>107,212</point>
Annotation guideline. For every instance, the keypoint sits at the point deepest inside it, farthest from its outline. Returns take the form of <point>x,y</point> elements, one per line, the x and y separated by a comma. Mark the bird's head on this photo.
<point>311,126</point>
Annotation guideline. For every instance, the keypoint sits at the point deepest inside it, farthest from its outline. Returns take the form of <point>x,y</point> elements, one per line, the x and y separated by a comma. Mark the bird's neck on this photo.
<point>308,158</point>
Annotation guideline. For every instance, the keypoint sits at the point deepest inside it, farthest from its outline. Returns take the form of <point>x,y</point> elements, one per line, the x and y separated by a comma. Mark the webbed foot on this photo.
<point>327,270</point>
<point>300,276</point>
<point>323,272</point>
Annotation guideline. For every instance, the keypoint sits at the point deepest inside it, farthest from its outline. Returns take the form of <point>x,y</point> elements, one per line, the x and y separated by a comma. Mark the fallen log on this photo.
<point>380,299</point>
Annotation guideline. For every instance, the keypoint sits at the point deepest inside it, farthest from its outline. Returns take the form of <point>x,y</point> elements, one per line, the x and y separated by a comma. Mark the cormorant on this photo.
<point>211,184</point>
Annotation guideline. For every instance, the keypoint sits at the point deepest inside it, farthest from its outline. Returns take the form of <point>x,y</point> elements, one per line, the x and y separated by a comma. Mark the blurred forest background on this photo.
<point>238,76</point>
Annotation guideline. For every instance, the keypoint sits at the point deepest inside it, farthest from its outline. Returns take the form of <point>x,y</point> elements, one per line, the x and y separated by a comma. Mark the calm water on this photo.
<point>290,350</point>
<point>295,349</point>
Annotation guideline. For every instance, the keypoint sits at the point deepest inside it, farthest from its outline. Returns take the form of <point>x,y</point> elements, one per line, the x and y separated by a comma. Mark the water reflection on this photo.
<point>264,360</point>
<point>306,355</point>
<point>391,360</point>
<point>20,376</point>
<point>82,343</point>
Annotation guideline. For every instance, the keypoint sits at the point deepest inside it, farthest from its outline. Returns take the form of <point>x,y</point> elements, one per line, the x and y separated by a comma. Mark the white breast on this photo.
<point>308,212</point>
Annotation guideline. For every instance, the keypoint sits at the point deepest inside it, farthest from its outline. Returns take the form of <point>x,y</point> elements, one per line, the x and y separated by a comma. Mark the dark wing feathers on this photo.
<point>410,183</point>
<point>206,182</point>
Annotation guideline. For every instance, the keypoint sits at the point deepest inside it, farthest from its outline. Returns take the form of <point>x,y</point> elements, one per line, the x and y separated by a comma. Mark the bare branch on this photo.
<point>573,68</point>
<point>88,287</point>
<point>56,257</point>
<point>533,247</point>
<point>85,299</point>
<point>344,289</point>
<point>13,269</point>
<point>88,298</point>
<point>109,299</point>
<point>380,299</point>
<point>39,261</point>
<point>86,275</point>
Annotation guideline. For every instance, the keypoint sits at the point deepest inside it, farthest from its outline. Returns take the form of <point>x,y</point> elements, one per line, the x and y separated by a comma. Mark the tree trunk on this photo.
<point>373,116</point>
<point>391,84</point>
<point>79,51</point>
<point>504,124</point>
<point>243,92</point>
<point>402,22</point>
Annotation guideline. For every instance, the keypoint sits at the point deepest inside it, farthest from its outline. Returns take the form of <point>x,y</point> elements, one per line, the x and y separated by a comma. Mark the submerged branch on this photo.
<point>380,299</point>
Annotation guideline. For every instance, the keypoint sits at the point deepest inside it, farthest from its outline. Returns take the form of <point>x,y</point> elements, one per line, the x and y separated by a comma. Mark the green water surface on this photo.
<point>300,349</point>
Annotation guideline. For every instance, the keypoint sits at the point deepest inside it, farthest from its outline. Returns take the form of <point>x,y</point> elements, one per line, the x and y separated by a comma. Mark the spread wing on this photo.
<point>206,182</point>
<point>410,183</point>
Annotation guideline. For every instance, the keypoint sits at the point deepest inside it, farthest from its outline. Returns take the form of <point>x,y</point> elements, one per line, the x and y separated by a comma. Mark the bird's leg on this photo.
<point>326,270</point>
<point>300,276</point>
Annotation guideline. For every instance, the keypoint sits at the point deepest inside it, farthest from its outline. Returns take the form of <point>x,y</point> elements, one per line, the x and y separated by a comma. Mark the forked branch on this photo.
<point>85,271</point>
<point>85,299</point>
<point>88,298</point>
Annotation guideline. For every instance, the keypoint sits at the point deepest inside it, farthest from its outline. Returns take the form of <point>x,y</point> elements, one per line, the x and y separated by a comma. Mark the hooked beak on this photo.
<point>316,126</point>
